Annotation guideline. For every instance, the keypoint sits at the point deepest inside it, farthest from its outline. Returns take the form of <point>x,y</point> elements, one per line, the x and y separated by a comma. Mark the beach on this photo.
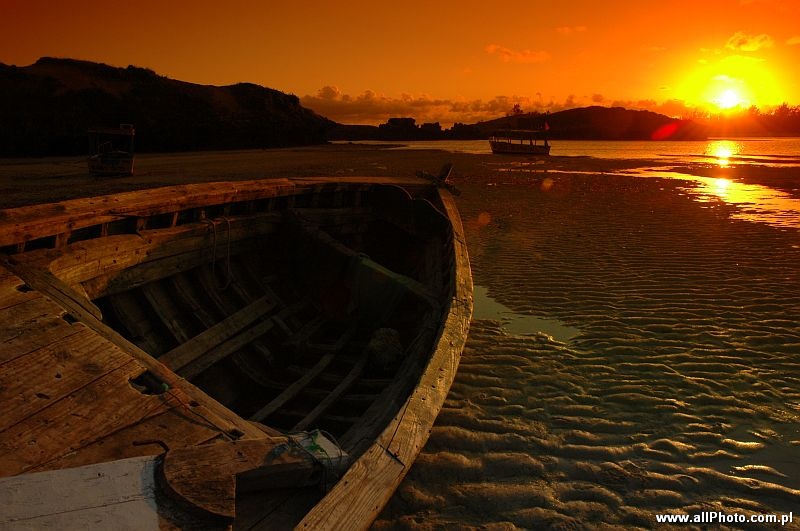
<point>646,362</point>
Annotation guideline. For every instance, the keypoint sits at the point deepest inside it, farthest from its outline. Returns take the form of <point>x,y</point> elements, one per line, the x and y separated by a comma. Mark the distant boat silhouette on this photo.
<point>111,150</point>
<point>520,141</point>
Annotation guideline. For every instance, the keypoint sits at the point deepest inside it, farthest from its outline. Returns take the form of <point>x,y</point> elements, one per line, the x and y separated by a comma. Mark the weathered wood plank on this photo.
<point>214,336</point>
<point>117,495</point>
<point>185,291</point>
<point>334,395</point>
<point>92,412</point>
<point>31,383</point>
<point>293,390</point>
<point>134,319</point>
<point>206,476</point>
<point>29,326</point>
<point>162,305</point>
<point>231,345</point>
<point>45,282</point>
<point>152,436</point>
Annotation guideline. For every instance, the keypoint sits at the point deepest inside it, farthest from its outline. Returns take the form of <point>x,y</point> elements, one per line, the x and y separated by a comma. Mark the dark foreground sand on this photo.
<point>680,394</point>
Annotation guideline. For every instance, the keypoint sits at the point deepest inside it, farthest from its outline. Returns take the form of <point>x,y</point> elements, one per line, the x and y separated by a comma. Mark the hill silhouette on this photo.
<point>601,123</point>
<point>47,107</point>
<point>584,123</point>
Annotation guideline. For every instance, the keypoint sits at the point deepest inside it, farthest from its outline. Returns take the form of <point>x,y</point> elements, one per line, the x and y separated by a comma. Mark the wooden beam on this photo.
<point>223,350</point>
<point>197,346</point>
<point>293,390</point>
<point>334,395</point>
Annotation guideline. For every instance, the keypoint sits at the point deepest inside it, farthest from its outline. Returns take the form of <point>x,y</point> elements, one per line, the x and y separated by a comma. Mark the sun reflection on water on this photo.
<point>722,151</point>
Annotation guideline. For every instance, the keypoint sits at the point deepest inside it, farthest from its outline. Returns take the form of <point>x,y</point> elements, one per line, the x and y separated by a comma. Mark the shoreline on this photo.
<point>30,181</point>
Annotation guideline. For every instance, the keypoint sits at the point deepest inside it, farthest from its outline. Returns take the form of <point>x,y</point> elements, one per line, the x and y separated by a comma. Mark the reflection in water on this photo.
<point>754,202</point>
<point>488,308</point>
<point>723,150</point>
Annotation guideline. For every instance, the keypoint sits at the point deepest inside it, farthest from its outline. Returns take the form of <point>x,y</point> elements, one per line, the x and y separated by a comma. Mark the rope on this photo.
<point>213,225</point>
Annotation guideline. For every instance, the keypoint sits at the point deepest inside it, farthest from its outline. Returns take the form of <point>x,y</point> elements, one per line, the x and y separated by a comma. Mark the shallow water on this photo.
<point>771,151</point>
<point>516,323</point>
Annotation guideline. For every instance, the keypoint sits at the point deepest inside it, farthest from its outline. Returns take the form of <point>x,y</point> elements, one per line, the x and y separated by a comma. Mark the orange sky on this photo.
<point>360,62</point>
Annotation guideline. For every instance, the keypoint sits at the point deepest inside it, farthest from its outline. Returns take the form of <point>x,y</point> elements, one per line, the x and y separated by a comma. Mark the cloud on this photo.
<point>569,30</point>
<point>507,55</point>
<point>793,41</point>
<point>373,108</point>
<point>743,42</point>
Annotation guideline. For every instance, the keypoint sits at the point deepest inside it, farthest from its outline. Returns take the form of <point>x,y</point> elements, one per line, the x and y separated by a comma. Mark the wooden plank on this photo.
<point>153,270</point>
<point>207,408</point>
<point>359,496</point>
<point>32,222</point>
<point>92,412</point>
<point>293,390</point>
<point>197,346</point>
<point>135,321</point>
<point>116,495</point>
<point>185,292</point>
<point>225,349</point>
<point>334,395</point>
<point>162,306</point>
<point>206,476</point>
<point>45,282</point>
<point>33,382</point>
<point>29,326</point>
<point>170,429</point>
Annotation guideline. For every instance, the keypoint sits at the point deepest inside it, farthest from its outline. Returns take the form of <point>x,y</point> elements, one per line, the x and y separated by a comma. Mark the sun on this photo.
<point>728,99</point>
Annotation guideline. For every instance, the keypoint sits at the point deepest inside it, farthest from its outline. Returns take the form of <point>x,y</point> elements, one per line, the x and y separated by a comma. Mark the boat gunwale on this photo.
<point>356,499</point>
<point>19,225</point>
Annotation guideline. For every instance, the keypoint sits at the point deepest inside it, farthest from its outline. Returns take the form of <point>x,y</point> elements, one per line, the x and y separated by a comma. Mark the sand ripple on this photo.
<point>681,393</point>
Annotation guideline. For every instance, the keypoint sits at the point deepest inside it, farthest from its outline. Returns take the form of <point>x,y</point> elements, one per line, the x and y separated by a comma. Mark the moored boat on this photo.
<point>520,142</point>
<point>261,354</point>
<point>111,151</point>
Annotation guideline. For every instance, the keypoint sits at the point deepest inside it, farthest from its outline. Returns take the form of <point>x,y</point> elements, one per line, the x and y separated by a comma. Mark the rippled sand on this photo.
<point>680,394</point>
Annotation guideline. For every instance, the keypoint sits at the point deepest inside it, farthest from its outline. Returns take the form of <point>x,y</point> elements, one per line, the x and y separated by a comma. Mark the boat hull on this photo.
<point>226,316</point>
<point>510,148</point>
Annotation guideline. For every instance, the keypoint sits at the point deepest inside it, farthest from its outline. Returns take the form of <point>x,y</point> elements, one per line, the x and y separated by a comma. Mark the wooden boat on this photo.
<point>520,142</point>
<point>111,151</point>
<point>256,354</point>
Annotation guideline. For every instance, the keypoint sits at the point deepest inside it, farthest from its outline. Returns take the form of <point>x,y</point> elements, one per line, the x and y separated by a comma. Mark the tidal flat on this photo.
<point>679,392</point>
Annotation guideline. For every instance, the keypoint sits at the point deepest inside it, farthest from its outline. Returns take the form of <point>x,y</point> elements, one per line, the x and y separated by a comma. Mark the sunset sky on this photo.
<point>361,62</point>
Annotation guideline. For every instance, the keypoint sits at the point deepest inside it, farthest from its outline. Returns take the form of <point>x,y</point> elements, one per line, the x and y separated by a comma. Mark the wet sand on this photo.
<point>680,394</point>
<point>681,391</point>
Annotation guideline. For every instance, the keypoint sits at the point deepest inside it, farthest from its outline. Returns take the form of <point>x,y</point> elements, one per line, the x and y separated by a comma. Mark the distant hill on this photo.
<point>46,109</point>
<point>602,123</point>
<point>585,123</point>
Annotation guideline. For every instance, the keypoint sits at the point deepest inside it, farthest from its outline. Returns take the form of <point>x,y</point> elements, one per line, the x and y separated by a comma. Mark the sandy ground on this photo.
<point>681,392</point>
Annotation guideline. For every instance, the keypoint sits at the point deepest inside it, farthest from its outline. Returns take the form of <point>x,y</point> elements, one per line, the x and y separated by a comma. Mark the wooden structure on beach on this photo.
<point>520,142</point>
<point>111,151</point>
<point>255,354</point>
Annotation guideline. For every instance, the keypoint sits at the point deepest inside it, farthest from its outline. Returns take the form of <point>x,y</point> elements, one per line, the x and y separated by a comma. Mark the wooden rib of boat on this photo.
<point>253,354</point>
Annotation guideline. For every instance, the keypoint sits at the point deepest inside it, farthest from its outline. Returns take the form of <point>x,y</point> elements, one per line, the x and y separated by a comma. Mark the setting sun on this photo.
<point>729,99</point>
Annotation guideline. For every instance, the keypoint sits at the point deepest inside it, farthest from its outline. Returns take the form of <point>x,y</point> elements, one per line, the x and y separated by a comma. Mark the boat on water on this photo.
<point>111,151</point>
<point>251,354</point>
<point>520,142</point>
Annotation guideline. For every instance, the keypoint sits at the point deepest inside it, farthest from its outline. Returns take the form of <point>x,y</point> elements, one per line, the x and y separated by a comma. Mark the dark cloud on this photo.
<point>742,42</point>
